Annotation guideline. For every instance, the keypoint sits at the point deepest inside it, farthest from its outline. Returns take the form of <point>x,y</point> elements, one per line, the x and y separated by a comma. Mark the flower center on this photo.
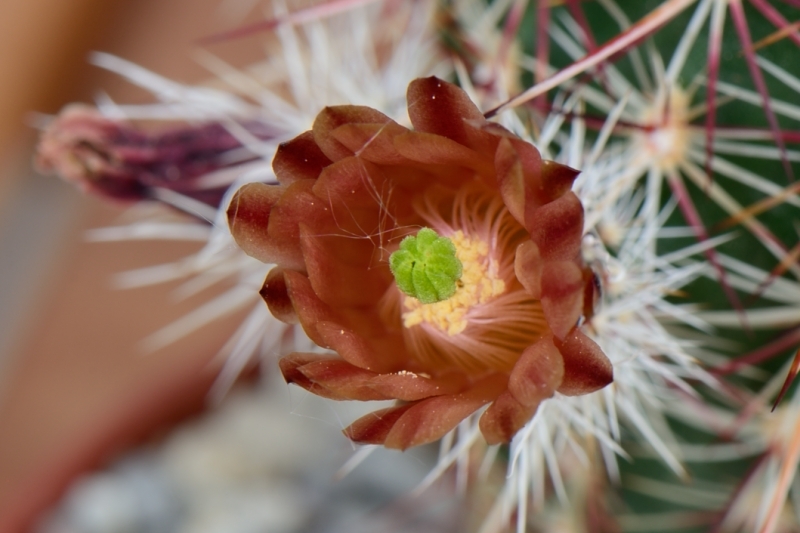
<point>426,267</point>
<point>490,318</point>
<point>479,283</point>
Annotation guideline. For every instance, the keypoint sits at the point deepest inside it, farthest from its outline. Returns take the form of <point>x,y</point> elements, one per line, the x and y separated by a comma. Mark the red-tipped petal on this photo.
<point>501,421</point>
<point>374,427</point>
<point>351,181</point>
<point>332,118</point>
<point>435,106</point>
<point>556,179</point>
<point>355,349</point>
<point>438,150</point>
<point>409,386</point>
<point>528,268</point>
<point>525,180</point>
<point>343,379</point>
<point>429,420</point>
<point>290,368</point>
<point>511,179</point>
<point>586,367</point>
<point>297,204</point>
<point>342,271</point>
<point>298,159</point>
<point>248,215</point>
<point>373,142</point>
<point>557,227</point>
<point>562,295</point>
<point>310,309</point>
<point>537,373</point>
<point>276,295</point>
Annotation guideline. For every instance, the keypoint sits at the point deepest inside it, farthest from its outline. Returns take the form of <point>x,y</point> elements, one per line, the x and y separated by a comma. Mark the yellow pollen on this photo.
<point>479,283</point>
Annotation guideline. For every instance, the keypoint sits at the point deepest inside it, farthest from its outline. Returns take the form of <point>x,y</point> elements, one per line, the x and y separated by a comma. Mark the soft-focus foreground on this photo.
<point>590,315</point>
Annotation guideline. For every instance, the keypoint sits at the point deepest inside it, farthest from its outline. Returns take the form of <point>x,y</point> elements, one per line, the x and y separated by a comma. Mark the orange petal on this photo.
<point>586,367</point>
<point>298,159</point>
<point>333,117</point>
<point>562,295</point>
<point>557,228</point>
<point>429,420</point>
<point>248,216</point>
<point>275,294</point>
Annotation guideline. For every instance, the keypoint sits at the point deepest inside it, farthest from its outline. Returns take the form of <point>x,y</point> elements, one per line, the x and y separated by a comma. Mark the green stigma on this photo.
<point>426,267</point>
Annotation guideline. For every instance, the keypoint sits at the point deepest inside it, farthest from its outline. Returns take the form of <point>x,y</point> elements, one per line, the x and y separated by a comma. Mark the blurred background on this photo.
<point>77,392</point>
<point>99,436</point>
<point>70,371</point>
